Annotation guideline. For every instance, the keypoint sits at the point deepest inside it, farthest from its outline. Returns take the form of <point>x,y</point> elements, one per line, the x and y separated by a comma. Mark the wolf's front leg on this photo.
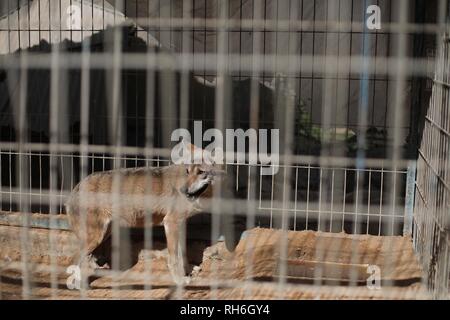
<point>175,234</point>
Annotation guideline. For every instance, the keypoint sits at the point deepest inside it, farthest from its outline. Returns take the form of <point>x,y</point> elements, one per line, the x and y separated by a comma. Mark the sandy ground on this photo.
<point>316,265</point>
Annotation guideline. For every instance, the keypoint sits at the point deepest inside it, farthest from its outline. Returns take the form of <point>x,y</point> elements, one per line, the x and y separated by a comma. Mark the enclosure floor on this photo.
<point>338,262</point>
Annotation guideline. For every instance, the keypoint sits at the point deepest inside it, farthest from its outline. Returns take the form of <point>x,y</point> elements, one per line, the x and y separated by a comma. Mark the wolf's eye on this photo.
<point>200,171</point>
<point>187,170</point>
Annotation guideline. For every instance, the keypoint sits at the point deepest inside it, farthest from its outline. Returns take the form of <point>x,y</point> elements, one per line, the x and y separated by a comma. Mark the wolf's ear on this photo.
<point>185,145</point>
<point>182,153</point>
<point>188,168</point>
<point>188,147</point>
<point>196,153</point>
<point>208,158</point>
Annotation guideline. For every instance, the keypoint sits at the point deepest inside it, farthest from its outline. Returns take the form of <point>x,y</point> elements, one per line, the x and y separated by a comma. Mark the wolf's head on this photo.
<point>199,177</point>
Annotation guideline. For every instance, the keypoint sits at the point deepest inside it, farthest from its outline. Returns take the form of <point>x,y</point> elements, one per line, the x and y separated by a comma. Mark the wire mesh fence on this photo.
<point>310,185</point>
<point>431,215</point>
<point>318,108</point>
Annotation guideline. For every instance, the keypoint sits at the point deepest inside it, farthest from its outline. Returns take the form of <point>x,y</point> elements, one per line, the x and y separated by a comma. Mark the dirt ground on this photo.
<point>316,265</point>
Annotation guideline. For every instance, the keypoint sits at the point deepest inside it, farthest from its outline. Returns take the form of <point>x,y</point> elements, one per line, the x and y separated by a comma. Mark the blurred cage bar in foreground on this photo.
<point>94,85</point>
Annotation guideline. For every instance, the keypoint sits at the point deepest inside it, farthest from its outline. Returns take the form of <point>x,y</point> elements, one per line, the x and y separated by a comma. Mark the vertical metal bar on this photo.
<point>356,229</point>
<point>332,201</point>
<point>60,205</point>
<point>380,212</point>
<point>1,184</point>
<point>409,199</point>
<point>363,111</point>
<point>320,200</point>
<point>9,28</point>
<point>10,180</point>
<point>394,203</point>
<point>254,123</point>
<point>84,143</point>
<point>295,198</point>
<point>19,29</point>
<point>1,209</point>
<point>221,104</point>
<point>149,144</point>
<point>307,196</point>
<point>116,139</point>
<point>343,200</point>
<point>287,148</point>
<point>40,182</point>
<point>185,81</point>
<point>397,109</point>
<point>271,202</point>
<point>361,140</point>
<point>54,115</point>
<point>19,104</point>
<point>368,202</point>
<point>30,182</point>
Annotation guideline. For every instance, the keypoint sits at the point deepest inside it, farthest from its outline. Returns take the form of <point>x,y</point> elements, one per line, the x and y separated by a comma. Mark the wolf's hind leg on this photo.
<point>97,230</point>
